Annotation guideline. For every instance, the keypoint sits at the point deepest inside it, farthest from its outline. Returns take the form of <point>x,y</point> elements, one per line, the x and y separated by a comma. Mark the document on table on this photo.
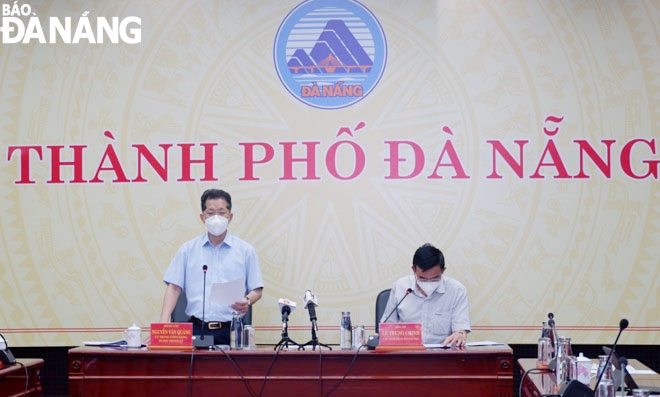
<point>116,343</point>
<point>436,346</point>
<point>633,371</point>
<point>480,343</point>
<point>484,343</point>
<point>227,293</point>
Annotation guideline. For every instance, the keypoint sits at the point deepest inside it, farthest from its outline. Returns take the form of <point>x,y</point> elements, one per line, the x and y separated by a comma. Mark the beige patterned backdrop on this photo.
<point>82,261</point>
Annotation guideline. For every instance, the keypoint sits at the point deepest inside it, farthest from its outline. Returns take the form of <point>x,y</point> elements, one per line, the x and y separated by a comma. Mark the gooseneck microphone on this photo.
<point>204,269</point>
<point>575,388</point>
<point>623,324</point>
<point>408,292</point>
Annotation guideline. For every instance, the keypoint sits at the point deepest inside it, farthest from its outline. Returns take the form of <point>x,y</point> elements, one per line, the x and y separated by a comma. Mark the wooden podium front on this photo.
<point>13,381</point>
<point>475,371</point>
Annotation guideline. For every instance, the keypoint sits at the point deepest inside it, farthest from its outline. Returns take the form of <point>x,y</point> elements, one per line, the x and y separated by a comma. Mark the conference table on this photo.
<point>473,371</point>
<point>536,383</point>
<point>22,378</point>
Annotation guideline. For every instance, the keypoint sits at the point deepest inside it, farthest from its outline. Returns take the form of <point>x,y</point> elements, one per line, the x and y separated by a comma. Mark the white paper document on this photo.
<point>436,346</point>
<point>120,342</point>
<point>480,343</point>
<point>227,293</point>
<point>484,343</point>
<point>632,370</point>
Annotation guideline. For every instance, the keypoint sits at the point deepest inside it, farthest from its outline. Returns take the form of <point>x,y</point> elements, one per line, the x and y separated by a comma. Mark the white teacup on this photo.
<point>133,336</point>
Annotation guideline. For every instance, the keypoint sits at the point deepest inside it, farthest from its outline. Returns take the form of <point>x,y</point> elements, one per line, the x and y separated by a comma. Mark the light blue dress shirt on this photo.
<point>446,310</point>
<point>231,260</point>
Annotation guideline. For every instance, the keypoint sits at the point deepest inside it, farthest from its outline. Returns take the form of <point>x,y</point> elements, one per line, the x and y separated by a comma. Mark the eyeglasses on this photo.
<point>429,280</point>
<point>208,214</point>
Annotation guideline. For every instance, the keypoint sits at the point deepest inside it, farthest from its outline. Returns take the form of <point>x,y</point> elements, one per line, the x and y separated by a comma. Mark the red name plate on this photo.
<point>171,336</point>
<point>400,334</point>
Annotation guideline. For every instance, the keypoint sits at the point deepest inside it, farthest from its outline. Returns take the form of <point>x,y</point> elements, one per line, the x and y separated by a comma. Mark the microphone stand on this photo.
<point>623,363</point>
<point>284,342</point>
<point>204,268</point>
<point>408,292</point>
<point>553,338</point>
<point>623,324</point>
<point>314,341</point>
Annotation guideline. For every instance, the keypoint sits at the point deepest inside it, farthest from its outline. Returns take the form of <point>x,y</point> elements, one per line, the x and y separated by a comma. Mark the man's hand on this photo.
<point>457,338</point>
<point>241,306</point>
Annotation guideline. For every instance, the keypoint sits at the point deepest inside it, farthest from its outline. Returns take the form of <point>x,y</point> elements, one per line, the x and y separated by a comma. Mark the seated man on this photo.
<point>437,302</point>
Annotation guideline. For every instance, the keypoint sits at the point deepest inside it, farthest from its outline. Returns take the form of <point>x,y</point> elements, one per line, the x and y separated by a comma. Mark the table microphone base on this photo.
<point>575,388</point>
<point>205,343</point>
<point>372,342</point>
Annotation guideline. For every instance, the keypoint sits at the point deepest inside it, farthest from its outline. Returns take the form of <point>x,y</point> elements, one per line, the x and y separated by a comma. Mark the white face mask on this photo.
<point>216,224</point>
<point>428,286</point>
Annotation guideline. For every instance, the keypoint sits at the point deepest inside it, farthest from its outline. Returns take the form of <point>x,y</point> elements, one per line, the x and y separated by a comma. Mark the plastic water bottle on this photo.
<point>236,334</point>
<point>547,332</point>
<point>345,332</point>
<point>563,360</point>
<point>606,386</point>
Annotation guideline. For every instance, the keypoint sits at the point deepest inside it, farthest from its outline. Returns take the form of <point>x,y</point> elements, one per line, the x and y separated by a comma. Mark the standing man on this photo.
<point>438,302</point>
<point>225,258</point>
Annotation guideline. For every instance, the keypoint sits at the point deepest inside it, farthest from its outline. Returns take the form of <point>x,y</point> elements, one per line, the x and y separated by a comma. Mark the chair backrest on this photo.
<point>381,302</point>
<point>179,313</point>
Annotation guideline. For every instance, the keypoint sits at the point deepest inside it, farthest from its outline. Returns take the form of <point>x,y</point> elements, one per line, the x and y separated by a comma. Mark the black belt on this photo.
<point>210,324</point>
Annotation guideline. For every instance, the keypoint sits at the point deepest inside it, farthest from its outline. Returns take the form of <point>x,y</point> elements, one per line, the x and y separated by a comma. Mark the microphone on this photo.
<point>575,388</point>
<point>6,356</point>
<point>553,331</point>
<point>374,340</point>
<point>623,324</point>
<point>310,305</point>
<point>286,307</point>
<point>199,342</point>
<point>408,292</point>
<point>204,269</point>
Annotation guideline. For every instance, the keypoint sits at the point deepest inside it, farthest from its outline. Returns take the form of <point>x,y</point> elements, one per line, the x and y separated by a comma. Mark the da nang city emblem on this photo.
<point>330,54</point>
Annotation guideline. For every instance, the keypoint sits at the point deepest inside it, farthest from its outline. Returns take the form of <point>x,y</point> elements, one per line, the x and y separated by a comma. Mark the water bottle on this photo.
<point>544,353</point>
<point>236,334</point>
<point>345,332</point>
<point>544,348</point>
<point>563,360</point>
<point>606,386</point>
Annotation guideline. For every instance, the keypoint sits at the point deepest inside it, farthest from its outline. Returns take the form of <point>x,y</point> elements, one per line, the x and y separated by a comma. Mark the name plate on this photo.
<point>400,334</point>
<point>171,336</point>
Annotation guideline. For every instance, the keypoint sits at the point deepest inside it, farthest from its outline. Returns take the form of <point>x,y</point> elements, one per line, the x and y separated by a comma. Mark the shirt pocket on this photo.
<point>441,322</point>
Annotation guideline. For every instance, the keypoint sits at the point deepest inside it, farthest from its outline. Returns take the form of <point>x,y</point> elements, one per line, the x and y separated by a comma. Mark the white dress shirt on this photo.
<point>445,311</point>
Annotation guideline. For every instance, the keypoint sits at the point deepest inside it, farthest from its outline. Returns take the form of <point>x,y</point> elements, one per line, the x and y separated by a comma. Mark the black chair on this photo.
<point>179,313</point>
<point>381,302</point>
